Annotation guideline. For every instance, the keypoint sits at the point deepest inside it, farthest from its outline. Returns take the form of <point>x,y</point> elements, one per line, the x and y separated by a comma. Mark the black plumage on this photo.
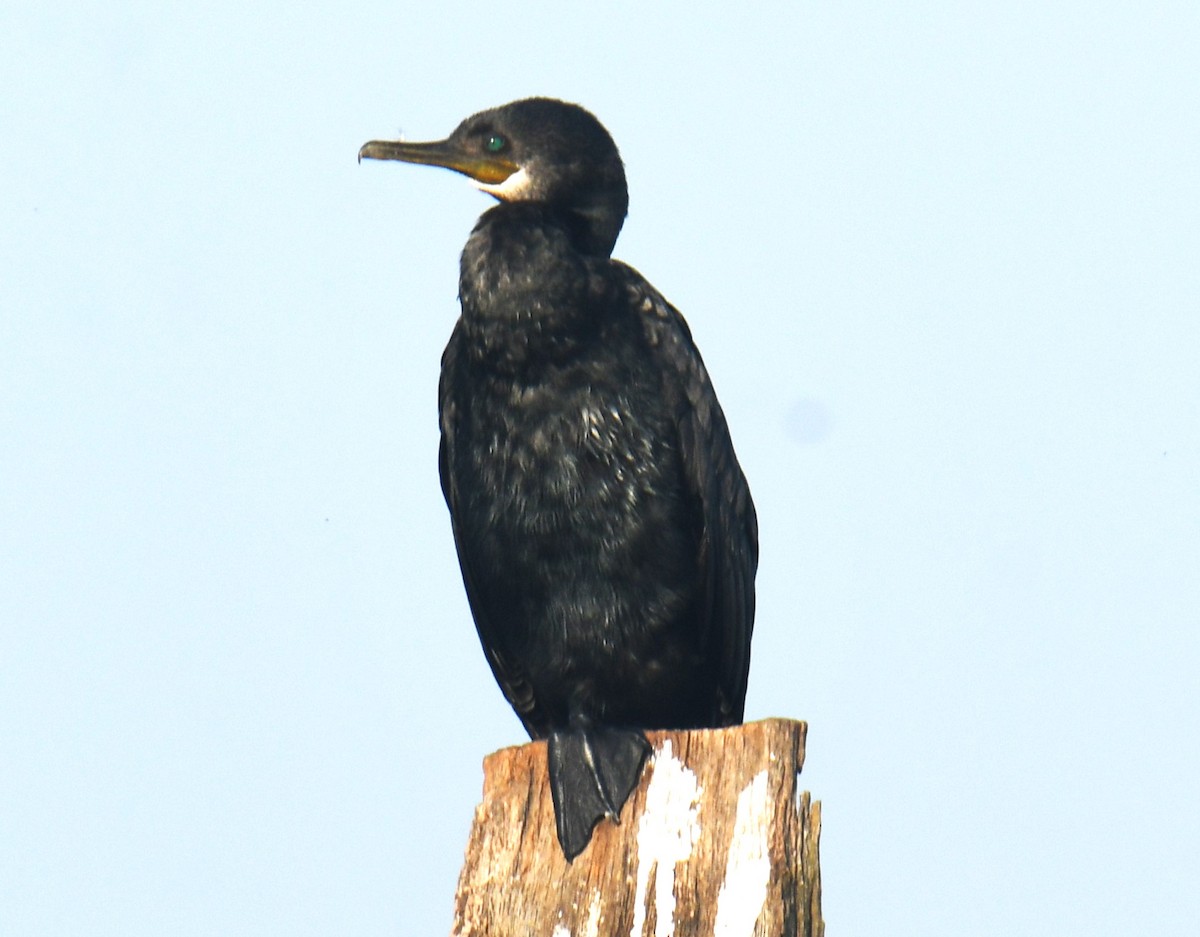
<point>606,534</point>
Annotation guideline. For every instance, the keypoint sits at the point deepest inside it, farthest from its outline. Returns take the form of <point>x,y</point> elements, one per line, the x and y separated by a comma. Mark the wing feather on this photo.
<point>729,546</point>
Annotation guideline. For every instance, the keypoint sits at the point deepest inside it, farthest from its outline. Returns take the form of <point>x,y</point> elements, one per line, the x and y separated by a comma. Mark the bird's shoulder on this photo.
<point>686,383</point>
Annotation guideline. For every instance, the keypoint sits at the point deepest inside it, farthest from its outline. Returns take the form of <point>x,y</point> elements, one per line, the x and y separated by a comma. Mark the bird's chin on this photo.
<point>517,187</point>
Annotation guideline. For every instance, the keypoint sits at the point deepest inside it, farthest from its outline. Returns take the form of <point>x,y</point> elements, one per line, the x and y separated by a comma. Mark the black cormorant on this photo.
<point>606,535</point>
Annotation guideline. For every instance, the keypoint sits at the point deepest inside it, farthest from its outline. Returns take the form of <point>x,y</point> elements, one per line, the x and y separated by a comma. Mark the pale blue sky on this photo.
<point>941,259</point>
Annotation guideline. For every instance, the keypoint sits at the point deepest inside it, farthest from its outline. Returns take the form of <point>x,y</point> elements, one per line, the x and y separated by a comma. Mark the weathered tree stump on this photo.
<point>717,839</point>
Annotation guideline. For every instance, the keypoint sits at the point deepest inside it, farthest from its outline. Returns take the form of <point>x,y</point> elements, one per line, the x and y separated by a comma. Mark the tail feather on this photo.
<point>592,774</point>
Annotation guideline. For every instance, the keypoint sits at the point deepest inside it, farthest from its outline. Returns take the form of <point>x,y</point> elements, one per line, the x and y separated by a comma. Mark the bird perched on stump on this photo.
<point>606,535</point>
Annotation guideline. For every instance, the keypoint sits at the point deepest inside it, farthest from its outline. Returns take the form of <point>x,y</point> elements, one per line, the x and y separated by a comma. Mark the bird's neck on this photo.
<point>594,226</point>
<point>522,262</point>
<point>528,291</point>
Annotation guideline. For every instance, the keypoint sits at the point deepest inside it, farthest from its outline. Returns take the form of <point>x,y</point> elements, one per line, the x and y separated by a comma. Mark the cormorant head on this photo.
<point>536,150</point>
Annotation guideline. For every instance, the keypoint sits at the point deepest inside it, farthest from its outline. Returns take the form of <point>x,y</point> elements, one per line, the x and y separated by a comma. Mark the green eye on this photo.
<point>495,143</point>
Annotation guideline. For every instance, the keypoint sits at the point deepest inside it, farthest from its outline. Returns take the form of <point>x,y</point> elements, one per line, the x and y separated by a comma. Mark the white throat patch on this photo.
<point>514,188</point>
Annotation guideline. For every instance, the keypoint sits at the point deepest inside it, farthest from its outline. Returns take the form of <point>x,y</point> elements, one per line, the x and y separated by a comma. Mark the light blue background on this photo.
<point>941,259</point>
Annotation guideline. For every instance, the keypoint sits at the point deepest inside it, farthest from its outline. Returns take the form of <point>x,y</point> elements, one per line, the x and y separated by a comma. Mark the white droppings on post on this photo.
<point>591,927</point>
<point>667,833</point>
<point>748,867</point>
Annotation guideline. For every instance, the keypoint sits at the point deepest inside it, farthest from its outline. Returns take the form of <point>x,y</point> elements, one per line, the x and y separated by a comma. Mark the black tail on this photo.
<point>592,774</point>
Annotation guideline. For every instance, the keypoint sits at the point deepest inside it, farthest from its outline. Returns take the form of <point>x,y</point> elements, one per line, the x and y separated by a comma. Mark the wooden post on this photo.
<point>717,840</point>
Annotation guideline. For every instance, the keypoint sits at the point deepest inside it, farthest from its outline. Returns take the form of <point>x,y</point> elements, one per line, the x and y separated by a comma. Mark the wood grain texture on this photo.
<point>717,839</point>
